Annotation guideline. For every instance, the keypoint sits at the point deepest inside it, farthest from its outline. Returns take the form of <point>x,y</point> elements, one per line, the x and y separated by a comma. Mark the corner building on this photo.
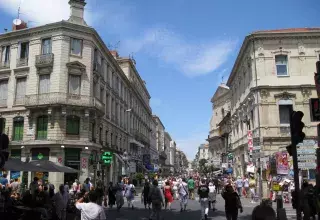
<point>66,98</point>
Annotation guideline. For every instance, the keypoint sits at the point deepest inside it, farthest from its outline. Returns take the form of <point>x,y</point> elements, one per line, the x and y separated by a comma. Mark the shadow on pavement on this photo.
<point>175,214</point>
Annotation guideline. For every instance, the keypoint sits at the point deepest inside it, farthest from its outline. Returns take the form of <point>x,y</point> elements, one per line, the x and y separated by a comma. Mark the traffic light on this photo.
<point>289,149</point>
<point>296,126</point>
<point>4,144</point>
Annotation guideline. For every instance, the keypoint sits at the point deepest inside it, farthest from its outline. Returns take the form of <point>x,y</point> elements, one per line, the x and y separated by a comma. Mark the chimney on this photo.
<point>77,12</point>
<point>21,26</point>
<point>114,54</point>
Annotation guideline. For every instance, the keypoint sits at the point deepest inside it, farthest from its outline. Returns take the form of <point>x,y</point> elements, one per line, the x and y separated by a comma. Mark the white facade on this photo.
<point>204,152</point>
<point>66,97</point>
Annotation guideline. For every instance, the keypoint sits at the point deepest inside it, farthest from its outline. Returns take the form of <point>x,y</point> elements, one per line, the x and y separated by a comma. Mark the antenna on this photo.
<point>17,21</point>
<point>116,46</point>
<point>222,79</point>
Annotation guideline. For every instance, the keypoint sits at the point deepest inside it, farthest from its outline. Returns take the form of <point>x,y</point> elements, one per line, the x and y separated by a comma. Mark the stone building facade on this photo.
<point>66,98</point>
<point>272,75</point>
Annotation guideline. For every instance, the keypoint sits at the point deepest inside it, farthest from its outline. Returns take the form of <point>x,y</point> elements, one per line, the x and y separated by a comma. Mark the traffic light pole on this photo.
<point>296,180</point>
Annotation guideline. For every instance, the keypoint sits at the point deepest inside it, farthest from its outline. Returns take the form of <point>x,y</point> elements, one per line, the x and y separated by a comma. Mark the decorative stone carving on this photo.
<point>88,43</point>
<point>264,94</point>
<point>76,67</point>
<point>249,61</point>
<point>61,37</point>
<point>281,51</point>
<point>285,95</point>
<point>35,41</point>
<point>301,48</point>
<point>14,45</point>
<point>306,93</point>
<point>260,51</point>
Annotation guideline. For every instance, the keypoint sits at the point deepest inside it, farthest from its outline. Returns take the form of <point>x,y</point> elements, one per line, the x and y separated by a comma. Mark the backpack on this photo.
<point>156,194</point>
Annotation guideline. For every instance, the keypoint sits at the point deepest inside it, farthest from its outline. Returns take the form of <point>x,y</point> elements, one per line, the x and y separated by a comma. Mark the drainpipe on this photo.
<point>259,127</point>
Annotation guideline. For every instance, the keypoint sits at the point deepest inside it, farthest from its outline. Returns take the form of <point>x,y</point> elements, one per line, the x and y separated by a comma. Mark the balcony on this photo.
<point>163,155</point>
<point>58,98</point>
<point>44,60</point>
<point>22,62</point>
<point>19,101</point>
<point>4,65</point>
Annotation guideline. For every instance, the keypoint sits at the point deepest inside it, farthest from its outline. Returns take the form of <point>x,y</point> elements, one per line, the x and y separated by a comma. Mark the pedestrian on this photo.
<point>203,192</point>
<point>75,187</point>
<point>129,193</point>
<point>168,195</point>
<point>90,210</point>
<point>212,196</point>
<point>191,185</point>
<point>263,212</point>
<point>145,195</point>
<point>232,203</point>
<point>61,200</point>
<point>239,185</point>
<point>246,186</point>
<point>119,197</point>
<point>111,195</point>
<point>157,200</point>
<point>183,194</point>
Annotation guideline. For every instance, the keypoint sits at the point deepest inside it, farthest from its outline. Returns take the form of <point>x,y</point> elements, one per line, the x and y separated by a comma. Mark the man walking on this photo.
<point>157,200</point>
<point>203,192</point>
<point>191,188</point>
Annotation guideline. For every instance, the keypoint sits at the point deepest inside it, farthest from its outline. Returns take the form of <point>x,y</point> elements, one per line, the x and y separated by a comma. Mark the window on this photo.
<point>18,124</point>
<point>284,113</point>
<point>46,46</point>
<point>73,125</point>
<point>281,64</point>
<point>101,95</point>
<point>222,112</point>
<point>24,50</point>
<point>74,84</point>
<point>5,57</point>
<point>2,124</point>
<point>3,92</point>
<point>106,138</point>
<point>42,127</point>
<point>252,118</point>
<point>100,135</point>
<point>44,83</point>
<point>76,47</point>
<point>93,134</point>
<point>20,90</point>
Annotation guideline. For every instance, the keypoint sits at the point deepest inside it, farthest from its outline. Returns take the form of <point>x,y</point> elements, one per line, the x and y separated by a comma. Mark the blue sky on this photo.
<point>183,48</point>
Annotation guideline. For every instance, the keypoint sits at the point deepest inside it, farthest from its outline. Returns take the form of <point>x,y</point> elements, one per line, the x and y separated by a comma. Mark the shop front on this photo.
<point>71,159</point>
<point>40,154</point>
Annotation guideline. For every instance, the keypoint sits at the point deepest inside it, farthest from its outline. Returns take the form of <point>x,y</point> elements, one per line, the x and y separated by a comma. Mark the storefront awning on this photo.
<point>133,141</point>
<point>119,157</point>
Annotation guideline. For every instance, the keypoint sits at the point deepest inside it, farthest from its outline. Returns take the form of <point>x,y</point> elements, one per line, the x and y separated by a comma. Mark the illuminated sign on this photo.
<point>106,157</point>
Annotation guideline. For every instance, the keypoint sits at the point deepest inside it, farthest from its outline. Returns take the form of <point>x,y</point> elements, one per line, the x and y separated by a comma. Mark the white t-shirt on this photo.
<point>91,211</point>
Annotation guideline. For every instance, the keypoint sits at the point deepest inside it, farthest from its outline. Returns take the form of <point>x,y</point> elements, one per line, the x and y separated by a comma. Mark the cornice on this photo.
<point>267,87</point>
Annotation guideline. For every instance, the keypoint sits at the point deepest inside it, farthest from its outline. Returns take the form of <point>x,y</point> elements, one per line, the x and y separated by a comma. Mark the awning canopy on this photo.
<point>18,165</point>
<point>49,166</point>
<point>133,141</point>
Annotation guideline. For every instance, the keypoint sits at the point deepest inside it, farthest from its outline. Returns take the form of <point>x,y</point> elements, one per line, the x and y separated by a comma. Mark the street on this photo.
<point>193,211</point>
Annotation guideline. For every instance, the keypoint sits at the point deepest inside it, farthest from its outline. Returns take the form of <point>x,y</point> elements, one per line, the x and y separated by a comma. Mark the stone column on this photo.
<point>54,177</point>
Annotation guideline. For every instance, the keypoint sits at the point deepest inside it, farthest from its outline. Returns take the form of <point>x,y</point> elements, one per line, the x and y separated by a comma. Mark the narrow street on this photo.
<point>193,211</point>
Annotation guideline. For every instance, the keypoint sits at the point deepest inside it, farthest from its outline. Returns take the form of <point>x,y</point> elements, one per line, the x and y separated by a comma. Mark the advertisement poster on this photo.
<point>283,165</point>
<point>15,175</point>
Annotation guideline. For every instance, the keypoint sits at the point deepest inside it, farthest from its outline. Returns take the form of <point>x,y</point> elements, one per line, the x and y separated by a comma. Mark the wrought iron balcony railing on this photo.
<point>97,68</point>
<point>58,98</point>
<point>44,60</point>
<point>19,101</point>
<point>5,65</point>
<point>22,62</point>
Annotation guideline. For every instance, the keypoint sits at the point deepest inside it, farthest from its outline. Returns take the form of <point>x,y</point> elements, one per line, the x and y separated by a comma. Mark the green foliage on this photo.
<point>139,176</point>
<point>205,168</point>
<point>152,175</point>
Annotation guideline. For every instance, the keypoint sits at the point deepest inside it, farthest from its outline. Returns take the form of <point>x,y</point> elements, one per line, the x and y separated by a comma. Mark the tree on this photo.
<point>205,168</point>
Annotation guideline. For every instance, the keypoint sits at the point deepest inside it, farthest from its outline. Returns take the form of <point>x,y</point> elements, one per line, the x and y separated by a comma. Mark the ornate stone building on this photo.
<point>272,75</point>
<point>66,98</point>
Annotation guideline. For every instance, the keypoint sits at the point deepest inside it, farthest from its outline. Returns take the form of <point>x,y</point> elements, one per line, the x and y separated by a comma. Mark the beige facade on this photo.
<point>221,107</point>
<point>65,96</point>
<point>272,75</point>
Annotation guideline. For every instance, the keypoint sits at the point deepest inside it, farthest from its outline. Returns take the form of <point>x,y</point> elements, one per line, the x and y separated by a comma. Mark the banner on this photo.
<point>283,166</point>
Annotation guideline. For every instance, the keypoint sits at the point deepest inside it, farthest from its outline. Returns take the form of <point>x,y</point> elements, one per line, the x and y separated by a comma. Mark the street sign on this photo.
<point>106,157</point>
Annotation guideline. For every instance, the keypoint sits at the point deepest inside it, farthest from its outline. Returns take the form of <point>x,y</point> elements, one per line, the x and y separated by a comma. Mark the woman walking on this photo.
<point>183,194</point>
<point>212,196</point>
<point>168,195</point>
<point>129,192</point>
<point>232,203</point>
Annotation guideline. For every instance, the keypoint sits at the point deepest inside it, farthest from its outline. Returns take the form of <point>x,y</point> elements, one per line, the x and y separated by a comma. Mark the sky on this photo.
<point>183,48</point>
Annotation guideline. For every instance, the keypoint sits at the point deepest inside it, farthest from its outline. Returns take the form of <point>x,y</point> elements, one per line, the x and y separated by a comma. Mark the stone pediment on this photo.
<point>285,95</point>
<point>221,90</point>
<point>76,67</point>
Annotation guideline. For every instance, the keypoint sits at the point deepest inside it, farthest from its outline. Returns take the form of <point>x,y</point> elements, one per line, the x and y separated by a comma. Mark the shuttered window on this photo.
<point>3,92</point>
<point>44,84</point>
<point>74,84</point>
<point>42,127</point>
<point>18,125</point>
<point>20,89</point>
<point>73,125</point>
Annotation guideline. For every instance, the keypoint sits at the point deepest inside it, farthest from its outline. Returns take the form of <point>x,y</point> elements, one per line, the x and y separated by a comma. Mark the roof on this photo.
<point>287,30</point>
<point>298,32</point>
<point>221,90</point>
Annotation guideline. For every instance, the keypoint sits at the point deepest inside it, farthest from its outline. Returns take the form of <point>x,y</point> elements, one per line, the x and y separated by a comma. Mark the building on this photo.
<point>66,98</point>
<point>203,151</point>
<point>172,153</point>
<point>153,143</point>
<point>160,132</point>
<point>272,75</point>
<point>181,162</point>
<point>218,139</point>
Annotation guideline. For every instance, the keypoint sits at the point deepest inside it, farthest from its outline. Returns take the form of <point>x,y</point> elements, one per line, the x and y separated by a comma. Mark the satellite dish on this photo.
<point>17,22</point>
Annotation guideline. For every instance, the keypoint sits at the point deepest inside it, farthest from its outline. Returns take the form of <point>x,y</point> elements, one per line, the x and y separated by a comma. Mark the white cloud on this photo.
<point>193,59</point>
<point>39,12</point>
<point>190,144</point>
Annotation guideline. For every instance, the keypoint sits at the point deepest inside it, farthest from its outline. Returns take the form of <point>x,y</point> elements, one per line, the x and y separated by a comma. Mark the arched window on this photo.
<point>18,125</point>
<point>73,125</point>
<point>42,127</point>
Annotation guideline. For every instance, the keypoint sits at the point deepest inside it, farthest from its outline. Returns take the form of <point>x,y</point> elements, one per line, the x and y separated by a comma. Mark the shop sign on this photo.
<point>282,163</point>
<point>276,187</point>
<point>60,160</point>
<point>84,162</point>
<point>106,157</point>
